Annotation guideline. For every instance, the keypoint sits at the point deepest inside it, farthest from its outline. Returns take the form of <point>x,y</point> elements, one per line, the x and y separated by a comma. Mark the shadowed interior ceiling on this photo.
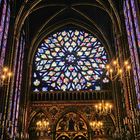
<point>97,16</point>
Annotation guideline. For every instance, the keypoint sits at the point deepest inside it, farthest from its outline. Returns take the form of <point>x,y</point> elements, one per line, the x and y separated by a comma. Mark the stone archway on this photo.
<point>39,128</point>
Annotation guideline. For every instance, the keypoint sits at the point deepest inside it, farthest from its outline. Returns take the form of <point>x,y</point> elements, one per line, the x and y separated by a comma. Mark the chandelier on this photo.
<point>5,76</point>
<point>42,125</point>
<point>96,124</point>
<point>115,70</point>
<point>103,108</point>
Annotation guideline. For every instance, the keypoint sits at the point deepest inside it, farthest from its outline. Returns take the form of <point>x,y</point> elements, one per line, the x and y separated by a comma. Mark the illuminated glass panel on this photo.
<point>135,17</point>
<point>18,69</point>
<point>69,60</point>
<point>2,22</point>
<point>4,27</point>
<point>133,41</point>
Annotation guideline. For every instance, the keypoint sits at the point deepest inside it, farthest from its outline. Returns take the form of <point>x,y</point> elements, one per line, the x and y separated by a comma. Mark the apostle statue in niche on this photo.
<point>71,125</point>
<point>81,125</point>
<point>63,124</point>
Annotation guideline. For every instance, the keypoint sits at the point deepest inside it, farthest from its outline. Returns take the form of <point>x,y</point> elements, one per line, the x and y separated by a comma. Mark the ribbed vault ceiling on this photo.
<point>100,16</point>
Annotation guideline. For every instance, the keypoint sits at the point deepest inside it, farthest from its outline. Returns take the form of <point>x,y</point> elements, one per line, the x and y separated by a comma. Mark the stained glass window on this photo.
<point>131,21</point>
<point>4,27</point>
<point>69,60</point>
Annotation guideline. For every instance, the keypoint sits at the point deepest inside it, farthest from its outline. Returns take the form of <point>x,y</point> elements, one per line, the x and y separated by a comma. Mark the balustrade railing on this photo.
<point>71,95</point>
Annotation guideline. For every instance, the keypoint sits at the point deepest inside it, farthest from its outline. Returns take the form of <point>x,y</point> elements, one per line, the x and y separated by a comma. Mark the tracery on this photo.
<point>69,60</point>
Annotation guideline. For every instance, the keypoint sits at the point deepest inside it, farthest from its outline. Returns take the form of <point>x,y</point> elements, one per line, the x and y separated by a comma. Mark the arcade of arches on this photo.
<point>69,70</point>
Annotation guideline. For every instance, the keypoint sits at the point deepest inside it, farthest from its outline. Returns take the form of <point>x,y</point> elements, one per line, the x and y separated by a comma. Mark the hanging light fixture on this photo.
<point>42,125</point>
<point>5,76</point>
<point>115,70</point>
<point>96,124</point>
<point>103,108</point>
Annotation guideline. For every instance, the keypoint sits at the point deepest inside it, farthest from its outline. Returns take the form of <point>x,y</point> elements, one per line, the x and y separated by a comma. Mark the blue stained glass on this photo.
<point>69,60</point>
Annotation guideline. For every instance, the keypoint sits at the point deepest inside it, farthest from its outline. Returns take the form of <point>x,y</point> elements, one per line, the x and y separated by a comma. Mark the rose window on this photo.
<point>69,60</point>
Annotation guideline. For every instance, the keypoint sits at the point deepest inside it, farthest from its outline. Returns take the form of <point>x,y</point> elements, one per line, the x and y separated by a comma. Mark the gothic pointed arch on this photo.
<point>39,126</point>
<point>71,125</point>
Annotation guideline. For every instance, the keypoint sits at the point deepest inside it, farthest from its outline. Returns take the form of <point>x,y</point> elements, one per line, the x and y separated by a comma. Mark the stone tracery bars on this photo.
<point>69,60</point>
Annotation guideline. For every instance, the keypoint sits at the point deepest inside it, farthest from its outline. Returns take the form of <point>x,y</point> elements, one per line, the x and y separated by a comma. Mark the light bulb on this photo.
<point>3,77</point>
<point>9,74</point>
<point>128,67</point>
<point>114,62</point>
<point>107,104</point>
<point>126,63</point>
<point>120,71</point>
<point>5,69</point>
<point>107,66</point>
<point>47,123</point>
<point>111,70</point>
<point>91,124</point>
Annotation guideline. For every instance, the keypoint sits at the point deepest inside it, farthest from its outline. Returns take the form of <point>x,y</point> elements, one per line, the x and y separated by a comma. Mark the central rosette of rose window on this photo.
<point>70,59</point>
